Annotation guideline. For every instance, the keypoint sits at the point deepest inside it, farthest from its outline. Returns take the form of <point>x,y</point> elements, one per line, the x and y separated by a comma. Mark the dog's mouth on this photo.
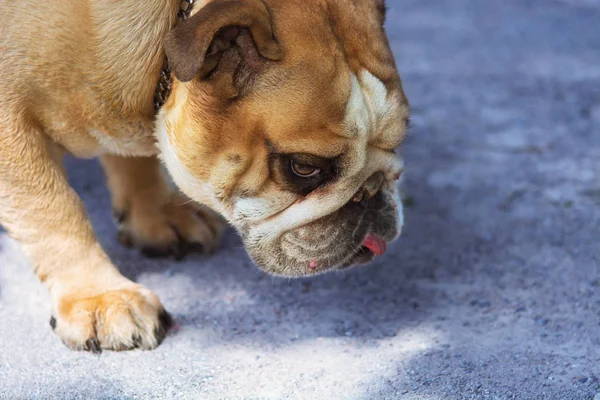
<point>371,247</point>
<point>323,258</point>
<point>363,256</point>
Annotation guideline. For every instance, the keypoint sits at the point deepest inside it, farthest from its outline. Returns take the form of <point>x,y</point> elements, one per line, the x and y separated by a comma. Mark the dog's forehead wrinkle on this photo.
<point>373,114</point>
<point>358,112</point>
<point>376,93</point>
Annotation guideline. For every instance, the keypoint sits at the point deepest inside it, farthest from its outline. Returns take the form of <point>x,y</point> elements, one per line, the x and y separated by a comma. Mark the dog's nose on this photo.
<point>369,188</point>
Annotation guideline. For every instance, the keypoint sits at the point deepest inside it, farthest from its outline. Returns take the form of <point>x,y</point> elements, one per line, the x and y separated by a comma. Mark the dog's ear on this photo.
<point>197,46</point>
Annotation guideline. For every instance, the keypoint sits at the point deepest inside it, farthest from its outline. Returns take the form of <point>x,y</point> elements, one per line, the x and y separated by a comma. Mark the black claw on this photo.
<point>165,323</point>
<point>137,340</point>
<point>155,252</point>
<point>119,216</point>
<point>53,322</point>
<point>183,248</point>
<point>179,250</point>
<point>93,346</point>
<point>165,319</point>
<point>195,247</point>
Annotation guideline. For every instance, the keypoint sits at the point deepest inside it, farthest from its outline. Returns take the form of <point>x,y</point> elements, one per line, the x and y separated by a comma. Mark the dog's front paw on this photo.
<point>119,319</point>
<point>176,228</point>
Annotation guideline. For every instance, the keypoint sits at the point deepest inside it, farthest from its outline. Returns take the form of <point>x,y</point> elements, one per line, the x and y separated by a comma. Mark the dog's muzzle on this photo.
<point>355,234</point>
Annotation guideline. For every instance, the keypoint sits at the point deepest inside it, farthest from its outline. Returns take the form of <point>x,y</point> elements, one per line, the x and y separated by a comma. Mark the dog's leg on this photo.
<point>151,216</point>
<point>94,306</point>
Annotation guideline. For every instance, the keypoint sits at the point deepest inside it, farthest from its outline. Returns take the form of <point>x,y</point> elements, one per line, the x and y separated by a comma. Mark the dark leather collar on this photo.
<point>163,86</point>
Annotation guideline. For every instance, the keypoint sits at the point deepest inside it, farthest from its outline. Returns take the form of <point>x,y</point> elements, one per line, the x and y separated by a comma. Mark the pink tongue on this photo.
<point>375,244</point>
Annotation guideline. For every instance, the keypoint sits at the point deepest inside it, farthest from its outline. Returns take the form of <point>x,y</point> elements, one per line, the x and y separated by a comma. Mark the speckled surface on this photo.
<point>493,291</point>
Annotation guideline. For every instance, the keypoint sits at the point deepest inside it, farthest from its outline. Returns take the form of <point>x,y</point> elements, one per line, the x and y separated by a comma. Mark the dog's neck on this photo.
<point>163,86</point>
<point>130,83</point>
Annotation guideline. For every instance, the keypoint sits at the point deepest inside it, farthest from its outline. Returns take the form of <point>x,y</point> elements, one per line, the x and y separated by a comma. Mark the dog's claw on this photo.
<point>93,346</point>
<point>165,323</point>
<point>194,247</point>
<point>178,250</point>
<point>119,216</point>
<point>155,252</point>
<point>137,340</point>
<point>53,322</point>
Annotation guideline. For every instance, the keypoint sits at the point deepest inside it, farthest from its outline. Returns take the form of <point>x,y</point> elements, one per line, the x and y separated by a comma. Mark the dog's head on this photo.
<point>284,117</point>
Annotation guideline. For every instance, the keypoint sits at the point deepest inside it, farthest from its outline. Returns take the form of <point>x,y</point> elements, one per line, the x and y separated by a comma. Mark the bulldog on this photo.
<point>279,117</point>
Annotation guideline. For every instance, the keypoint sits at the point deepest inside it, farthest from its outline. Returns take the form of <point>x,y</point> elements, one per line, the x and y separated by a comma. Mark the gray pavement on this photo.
<point>492,292</point>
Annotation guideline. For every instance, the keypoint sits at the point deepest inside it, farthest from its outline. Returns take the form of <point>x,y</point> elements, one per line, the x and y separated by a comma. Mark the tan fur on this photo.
<point>79,76</point>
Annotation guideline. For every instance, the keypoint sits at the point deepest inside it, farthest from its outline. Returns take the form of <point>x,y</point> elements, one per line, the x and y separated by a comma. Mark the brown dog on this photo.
<point>283,117</point>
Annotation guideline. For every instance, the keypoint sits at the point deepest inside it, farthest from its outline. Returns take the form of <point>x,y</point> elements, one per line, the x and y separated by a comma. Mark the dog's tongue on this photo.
<point>375,244</point>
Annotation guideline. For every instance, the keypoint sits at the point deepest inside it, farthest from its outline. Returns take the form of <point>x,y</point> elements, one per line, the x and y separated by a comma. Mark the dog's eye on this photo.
<point>301,173</point>
<point>304,170</point>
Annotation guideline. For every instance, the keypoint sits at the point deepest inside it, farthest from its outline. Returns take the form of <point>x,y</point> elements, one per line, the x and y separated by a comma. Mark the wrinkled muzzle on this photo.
<point>354,234</point>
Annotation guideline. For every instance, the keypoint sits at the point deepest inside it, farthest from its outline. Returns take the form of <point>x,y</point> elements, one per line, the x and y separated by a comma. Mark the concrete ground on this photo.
<point>493,291</point>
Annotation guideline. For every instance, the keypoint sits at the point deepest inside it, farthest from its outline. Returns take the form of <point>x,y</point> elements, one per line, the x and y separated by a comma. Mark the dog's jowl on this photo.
<point>279,117</point>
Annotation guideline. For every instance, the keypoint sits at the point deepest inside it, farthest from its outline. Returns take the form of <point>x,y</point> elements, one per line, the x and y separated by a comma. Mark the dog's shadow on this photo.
<point>227,294</point>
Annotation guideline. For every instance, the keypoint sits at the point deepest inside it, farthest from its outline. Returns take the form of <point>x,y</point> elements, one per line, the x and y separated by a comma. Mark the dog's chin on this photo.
<point>338,255</point>
<point>327,263</point>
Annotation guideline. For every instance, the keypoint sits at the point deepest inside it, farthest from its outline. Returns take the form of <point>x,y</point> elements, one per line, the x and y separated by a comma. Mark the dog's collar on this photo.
<point>163,86</point>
